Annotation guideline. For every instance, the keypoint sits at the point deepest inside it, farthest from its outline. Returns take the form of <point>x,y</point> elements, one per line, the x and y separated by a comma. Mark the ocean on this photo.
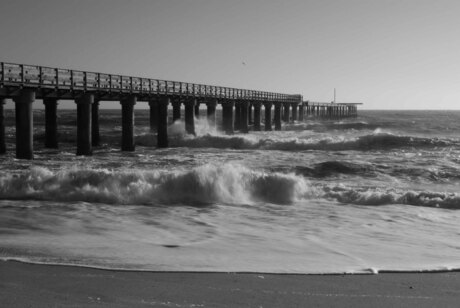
<point>365,195</point>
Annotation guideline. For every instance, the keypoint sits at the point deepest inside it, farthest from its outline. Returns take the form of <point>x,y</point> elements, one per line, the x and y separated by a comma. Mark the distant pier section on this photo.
<point>241,108</point>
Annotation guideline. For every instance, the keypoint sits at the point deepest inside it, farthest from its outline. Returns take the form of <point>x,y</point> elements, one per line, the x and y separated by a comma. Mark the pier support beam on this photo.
<point>2,127</point>
<point>84,145</point>
<point>153,110</point>
<point>24,124</point>
<point>268,116</point>
<point>257,115</point>
<point>51,135</point>
<point>286,116</point>
<point>250,113</point>
<point>211,112</point>
<point>190,116</point>
<point>277,116</point>
<point>227,117</point>
<point>127,123</point>
<point>162,130</point>
<point>244,117</point>
<point>176,110</point>
<point>95,124</point>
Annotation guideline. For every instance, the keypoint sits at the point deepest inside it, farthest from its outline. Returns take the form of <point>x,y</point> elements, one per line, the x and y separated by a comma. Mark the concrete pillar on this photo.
<point>153,108</point>
<point>277,116</point>
<point>257,115</point>
<point>268,116</point>
<point>286,116</point>
<point>162,128</point>
<point>237,122</point>
<point>190,116</point>
<point>84,145</point>
<point>227,117</point>
<point>95,124</point>
<point>51,122</point>
<point>211,112</point>
<point>2,127</point>
<point>24,124</point>
<point>301,111</point>
<point>127,123</point>
<point>244,117</point>
<point>250,113</point>
<point>176,110</point>
<point>197,109</point>
<point>294,111</point>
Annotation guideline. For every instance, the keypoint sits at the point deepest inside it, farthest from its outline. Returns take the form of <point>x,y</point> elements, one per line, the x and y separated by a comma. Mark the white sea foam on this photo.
<point>228,183</point>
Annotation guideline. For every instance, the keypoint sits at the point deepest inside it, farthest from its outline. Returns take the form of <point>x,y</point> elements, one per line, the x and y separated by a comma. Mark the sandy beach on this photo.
<point>30,285</point>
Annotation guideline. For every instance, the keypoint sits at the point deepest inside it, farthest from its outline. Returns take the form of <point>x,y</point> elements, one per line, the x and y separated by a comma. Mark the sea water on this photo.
<point>375,193</point>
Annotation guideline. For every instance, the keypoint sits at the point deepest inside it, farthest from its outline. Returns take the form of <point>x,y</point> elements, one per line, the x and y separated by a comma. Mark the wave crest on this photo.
<point>228,183</point>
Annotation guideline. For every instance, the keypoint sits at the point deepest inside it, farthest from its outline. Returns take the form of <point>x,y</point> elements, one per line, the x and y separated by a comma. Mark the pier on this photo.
<point>241,108</point>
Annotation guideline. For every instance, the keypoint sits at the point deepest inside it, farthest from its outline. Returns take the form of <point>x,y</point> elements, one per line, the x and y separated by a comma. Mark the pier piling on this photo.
<point>294,111</point>
<point>176,104</point>
<point>286,115</point>
<point>211,112</point>
<point>24,124</point>
<point>127,123</point>
<point>257,115</point>
<point>189,116</point>
<point>153,113</point>
<point>84,145</point>
<point>268,116</point>
<point>2,127</point>
<point>277,117</point>
<point>162,129</point>
<point>244,117</point>
<point>51,135</point>
<point>95,136</point>
<point>197,109</point>
<point>227,117</point>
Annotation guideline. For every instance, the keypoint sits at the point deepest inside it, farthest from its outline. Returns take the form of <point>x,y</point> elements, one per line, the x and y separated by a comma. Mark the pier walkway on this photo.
<point>241,108</point>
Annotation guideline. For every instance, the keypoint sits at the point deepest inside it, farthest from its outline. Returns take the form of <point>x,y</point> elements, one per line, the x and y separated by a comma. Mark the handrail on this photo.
<point>42,77</point>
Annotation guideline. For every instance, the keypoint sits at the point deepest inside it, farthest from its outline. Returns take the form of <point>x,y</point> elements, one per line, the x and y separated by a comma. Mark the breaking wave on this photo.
<point>377,141</point>
<point>376,196</point>
<point>206,184</point>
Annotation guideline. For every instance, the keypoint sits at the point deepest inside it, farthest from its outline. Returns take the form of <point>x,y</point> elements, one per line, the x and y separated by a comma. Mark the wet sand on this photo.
<point>29,285</point>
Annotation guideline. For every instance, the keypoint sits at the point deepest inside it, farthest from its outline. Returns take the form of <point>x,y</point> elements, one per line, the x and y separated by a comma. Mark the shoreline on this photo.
<point>369,271</point>
<point>38,285</point>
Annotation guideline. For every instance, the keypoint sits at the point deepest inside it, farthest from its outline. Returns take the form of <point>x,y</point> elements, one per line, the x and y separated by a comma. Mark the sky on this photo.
<point>386,54</point>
